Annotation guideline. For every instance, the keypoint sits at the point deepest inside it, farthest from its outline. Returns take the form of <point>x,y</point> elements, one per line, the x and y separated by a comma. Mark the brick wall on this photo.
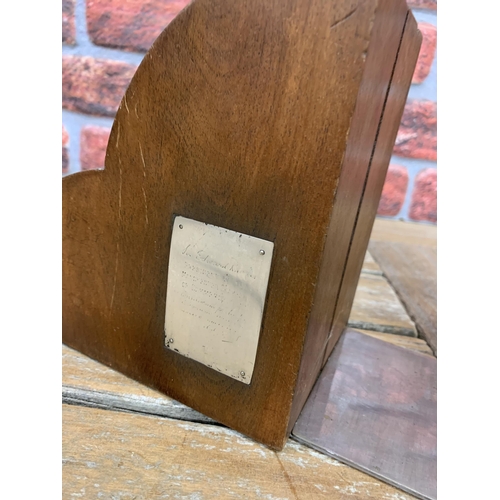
<point>105,40</point>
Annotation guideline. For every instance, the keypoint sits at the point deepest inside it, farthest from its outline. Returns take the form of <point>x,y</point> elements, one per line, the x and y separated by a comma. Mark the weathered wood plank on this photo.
<point>410,233</point>
<point>412,271</point>
<point>89,383</point>
<point>370,266</point>
<point>413,343</point>
<point>376,307</point>
<point>118,455</point>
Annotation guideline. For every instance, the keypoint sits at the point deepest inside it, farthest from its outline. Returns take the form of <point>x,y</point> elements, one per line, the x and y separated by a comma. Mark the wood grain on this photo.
<point>242,115</point>
<point>412,343</point>
<point>412,271</point>
<point>370,266</point>
<point>117,455</point>
<point>372,189</point>
<point>411,233</point>
<point>377,307</point>
<point>89,383</point>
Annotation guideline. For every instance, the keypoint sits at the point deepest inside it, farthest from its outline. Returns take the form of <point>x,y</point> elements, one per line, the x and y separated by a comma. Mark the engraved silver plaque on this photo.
<point>216,290</point>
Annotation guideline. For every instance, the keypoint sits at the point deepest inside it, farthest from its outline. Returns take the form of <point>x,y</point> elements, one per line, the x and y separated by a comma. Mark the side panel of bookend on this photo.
<point>386,136</point>
<point>390,63</point>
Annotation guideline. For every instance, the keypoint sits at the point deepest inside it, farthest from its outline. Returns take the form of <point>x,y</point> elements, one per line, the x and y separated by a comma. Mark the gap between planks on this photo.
<point>90,384</point>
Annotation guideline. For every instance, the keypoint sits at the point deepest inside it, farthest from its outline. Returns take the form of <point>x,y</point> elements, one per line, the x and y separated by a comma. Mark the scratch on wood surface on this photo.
<point>143,191</point>
<point>345,18</point>
<point>117,243</point>
<point>145,205</point>
<point>287,477</point>
<point>143,162</point>
<point>125,102</point>
<point>117,133</point>
<point>120,189</point>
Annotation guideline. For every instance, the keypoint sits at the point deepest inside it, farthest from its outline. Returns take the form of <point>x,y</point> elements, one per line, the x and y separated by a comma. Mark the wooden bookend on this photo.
<point>251,130</point>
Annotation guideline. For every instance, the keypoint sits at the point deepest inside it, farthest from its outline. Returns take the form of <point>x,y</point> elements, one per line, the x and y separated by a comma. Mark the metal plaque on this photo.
<point>216,290</point>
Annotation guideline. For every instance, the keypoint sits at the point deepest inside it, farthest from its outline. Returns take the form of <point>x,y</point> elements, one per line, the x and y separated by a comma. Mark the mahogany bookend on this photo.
<point>265,130</point>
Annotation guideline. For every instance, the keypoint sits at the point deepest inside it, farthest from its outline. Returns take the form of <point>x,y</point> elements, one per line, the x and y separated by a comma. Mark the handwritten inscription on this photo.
<point>216,291</point>
<point>209,296</point>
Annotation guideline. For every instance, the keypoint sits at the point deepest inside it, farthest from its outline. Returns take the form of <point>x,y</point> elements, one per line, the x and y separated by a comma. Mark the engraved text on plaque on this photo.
<point>216,290</point>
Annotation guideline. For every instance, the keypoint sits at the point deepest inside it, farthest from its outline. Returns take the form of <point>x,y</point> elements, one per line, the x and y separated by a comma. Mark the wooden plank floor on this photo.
<point>377,307</point>
<point>411,270</point>
<point>124,440</point>
<point>124,455</point>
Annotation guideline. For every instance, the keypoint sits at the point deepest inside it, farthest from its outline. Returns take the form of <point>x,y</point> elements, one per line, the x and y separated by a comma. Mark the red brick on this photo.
<point>417,135</point>
<point>93,143</point>
<point>65,155</point>
<point>65,137</point>
<point>424,197</point>
<point>94,86</point>
<point>130,24</point>
<point>422,4</point>
<point>394,192</point>
<point>68,22</point>
<point>427,51</point>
